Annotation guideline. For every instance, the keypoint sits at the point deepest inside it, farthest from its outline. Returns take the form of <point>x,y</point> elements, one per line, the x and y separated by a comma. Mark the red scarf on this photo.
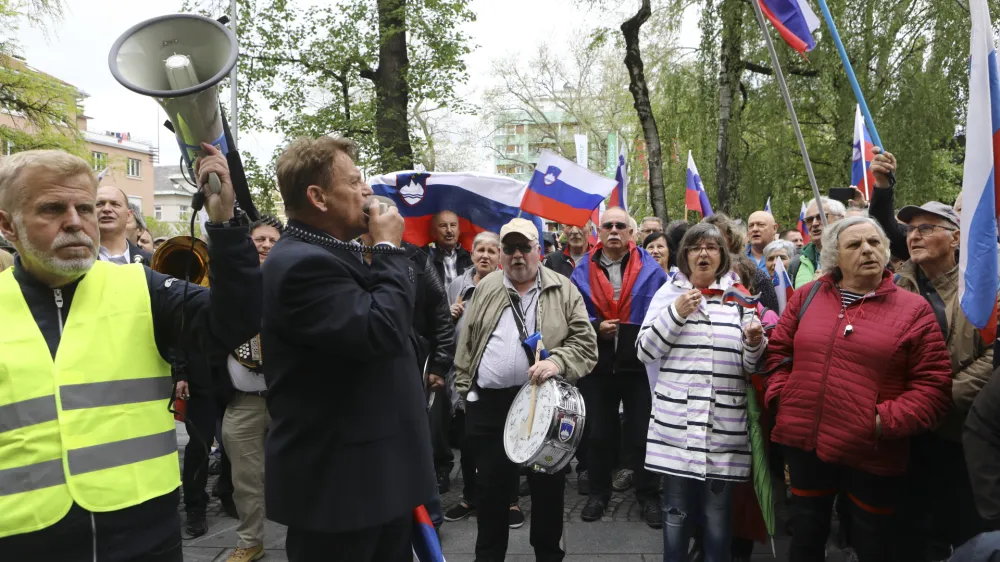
<point>602,294</point>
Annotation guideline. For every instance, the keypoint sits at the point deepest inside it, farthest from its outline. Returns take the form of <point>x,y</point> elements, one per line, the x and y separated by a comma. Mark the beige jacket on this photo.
<point>562,319</point>
<point>971,359</point>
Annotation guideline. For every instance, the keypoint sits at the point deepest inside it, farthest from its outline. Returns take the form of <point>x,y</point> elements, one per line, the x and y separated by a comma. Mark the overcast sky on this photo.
<point>76,51</point>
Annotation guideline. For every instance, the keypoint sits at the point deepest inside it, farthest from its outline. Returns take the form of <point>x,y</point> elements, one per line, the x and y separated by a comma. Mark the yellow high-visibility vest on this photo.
<point>91,426</point>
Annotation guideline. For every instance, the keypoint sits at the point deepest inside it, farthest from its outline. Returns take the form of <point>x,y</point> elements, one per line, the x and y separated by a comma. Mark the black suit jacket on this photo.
<point>463,261</point>
<point>137,252</point>
<point>434,330</point>
<point>349,443</point>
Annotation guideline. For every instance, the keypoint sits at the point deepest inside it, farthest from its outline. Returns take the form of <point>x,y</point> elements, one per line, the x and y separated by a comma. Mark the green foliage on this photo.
<point>43,110</point>
<point>309,70</point>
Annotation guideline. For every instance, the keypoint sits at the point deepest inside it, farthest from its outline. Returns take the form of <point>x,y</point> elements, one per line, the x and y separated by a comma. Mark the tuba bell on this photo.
<point>174,256</point>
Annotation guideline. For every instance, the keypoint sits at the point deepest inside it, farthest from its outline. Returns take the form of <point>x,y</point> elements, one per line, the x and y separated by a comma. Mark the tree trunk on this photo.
<point>640,95</point>
<point>392,92</point>
<point>730,71</point>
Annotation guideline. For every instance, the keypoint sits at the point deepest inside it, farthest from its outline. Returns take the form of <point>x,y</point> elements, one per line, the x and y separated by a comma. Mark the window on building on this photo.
<point>515,149</point>
<point>9,148</point>
<point>520,169</point>
<point>99,160</point>
<point>134,168</point>
<point>158,212</point>
<point>506,169</point>
<point>520,129</point>
<point>510,129</point>
<point>183,211</point>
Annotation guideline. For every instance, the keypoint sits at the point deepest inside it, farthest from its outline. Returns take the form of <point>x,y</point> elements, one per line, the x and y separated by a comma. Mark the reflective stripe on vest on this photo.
<point>90,426</point>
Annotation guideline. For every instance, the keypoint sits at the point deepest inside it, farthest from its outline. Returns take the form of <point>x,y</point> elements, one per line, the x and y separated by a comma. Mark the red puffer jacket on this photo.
<point>895,362</point>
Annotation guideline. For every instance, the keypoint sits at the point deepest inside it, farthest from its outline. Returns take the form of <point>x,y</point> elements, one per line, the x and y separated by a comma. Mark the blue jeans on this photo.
<point>688,502</point>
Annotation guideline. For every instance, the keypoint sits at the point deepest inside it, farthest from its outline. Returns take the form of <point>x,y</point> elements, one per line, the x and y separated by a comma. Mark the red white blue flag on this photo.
<point>767,206</point>
<point>482,202</point>
<point>563,191</point>
<point>977,282</point>
<point>425,543</point>
<point>803,229</point>
<point>861,159</point>
<point>782,285</point>
<point>619,195</point>
<point>695,198</point>
<point>794,20</point>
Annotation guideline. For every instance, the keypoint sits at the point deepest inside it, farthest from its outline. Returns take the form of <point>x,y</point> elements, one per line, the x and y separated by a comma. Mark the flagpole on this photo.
<point>850,73</point>
<point>791,109</point>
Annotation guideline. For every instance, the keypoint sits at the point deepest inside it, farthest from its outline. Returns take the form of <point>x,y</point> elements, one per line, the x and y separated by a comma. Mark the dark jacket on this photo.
<point>764,287</point>
<point>828,386</point>
<point>882,210</point>
<point>216,322</point>
<point>433,328</point>
<point>349,443</point>
<point>463,261</point>
<point>561,262</point>
<point>136,252</point>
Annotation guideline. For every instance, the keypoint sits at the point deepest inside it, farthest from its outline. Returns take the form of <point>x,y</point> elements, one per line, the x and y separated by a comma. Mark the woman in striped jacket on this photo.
<point>696,349</point>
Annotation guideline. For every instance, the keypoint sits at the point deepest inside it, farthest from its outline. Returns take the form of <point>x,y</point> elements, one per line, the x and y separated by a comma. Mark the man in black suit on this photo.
<point>449,257</point>
<point>112,219</point>
<point>348,456</point>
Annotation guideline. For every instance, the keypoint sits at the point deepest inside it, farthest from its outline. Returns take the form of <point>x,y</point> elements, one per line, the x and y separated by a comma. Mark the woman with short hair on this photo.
<point>859,367</point>
<point>696,347</point>
<point>779,249</point>
<point>661,249</point>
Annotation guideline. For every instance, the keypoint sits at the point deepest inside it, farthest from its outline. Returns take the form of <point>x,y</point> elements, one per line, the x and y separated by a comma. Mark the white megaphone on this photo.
<point>177,60</point>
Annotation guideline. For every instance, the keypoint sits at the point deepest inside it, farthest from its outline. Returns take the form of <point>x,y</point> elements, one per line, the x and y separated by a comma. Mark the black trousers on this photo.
<point>203,413</point>
<point>872,507</point>
<point>385,543</point>
<point>937,511</point>
<point>440,418</point>
<point>602,394</point>
<point>468,462</point>
<point>484,426</point>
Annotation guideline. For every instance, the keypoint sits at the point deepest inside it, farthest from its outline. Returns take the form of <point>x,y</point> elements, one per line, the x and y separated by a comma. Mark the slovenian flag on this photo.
<point>782,285</point>
<point>482,202</point>
<point>619,195</point>
<point>695,198</point>
<point>425,543</point>
<point>977,283</point>
<point>563,191</point>
<point>794,20</point>
<point>861,160</point>
<point>803,229</point>
<point>767,206</point>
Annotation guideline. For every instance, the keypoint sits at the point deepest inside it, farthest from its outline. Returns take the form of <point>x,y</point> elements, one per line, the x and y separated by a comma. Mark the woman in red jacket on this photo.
<point>863,369</point>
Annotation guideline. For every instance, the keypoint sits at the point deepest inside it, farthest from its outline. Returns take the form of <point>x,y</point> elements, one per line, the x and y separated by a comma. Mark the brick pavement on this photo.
<point>620,537</point>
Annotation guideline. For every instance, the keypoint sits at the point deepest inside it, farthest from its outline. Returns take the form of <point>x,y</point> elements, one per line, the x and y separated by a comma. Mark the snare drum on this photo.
<point>557,429</point>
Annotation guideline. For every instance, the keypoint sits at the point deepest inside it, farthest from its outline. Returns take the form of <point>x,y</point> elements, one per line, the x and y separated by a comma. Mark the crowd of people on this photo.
<point>339,369</point>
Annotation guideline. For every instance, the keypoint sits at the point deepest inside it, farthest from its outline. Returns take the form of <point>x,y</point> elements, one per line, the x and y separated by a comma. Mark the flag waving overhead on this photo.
<point>861,160</point>
<point>619,195</point>
<point>564,191</point>
<point>977,282</point>
<point>794,20</point>
<point>481,202</point>
<point>803,229</point>
<point>695,198</point>
<point>767,206</point>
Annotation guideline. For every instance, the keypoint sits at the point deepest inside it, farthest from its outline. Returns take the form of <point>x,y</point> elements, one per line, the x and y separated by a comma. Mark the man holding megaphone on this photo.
<point>88,448</point>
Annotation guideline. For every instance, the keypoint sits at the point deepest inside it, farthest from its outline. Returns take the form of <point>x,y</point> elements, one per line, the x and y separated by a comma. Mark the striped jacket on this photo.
<point>698,424</point>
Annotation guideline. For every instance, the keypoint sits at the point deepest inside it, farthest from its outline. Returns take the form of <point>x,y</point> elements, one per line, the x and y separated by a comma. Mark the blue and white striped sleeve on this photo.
<point>752,355</point>
<point>661,326</point>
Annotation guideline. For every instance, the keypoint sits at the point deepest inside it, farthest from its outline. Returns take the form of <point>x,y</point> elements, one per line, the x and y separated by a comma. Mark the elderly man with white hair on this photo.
<point>89,467</point>
<point>806,267</point>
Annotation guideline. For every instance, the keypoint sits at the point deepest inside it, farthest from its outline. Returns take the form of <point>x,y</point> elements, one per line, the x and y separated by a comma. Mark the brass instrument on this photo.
<point>174,256</point>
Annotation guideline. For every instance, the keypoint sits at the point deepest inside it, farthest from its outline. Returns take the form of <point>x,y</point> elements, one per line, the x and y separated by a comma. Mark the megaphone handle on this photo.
<point>214,183</point>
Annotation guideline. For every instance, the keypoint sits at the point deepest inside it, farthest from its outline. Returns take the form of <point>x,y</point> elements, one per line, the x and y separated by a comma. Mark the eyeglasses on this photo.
<point>525,248</point>
<point>927,229</point>
<point>611,225</point>
<point>710,249</point>
<point>814,218</point>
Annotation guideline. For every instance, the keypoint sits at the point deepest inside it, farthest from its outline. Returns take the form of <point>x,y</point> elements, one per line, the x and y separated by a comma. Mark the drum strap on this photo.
<point>515,308</point>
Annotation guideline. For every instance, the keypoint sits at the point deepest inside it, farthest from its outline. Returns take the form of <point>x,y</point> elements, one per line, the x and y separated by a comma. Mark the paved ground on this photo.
<point>620,537</point>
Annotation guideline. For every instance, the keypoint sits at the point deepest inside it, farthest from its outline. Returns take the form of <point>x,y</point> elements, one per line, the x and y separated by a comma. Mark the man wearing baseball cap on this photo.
<point>942,512</point>
<point>492,364</point>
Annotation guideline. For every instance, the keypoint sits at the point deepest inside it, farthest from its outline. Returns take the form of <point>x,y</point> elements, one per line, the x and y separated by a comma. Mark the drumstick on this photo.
<point>534,397</point>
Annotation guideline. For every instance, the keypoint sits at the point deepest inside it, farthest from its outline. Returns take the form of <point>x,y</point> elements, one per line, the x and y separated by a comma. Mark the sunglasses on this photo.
<point>525,248</point>
<point>612,225</point>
